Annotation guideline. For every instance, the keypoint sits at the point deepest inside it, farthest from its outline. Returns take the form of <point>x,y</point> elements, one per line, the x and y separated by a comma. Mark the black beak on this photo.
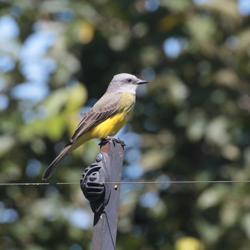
<point>139,81</point>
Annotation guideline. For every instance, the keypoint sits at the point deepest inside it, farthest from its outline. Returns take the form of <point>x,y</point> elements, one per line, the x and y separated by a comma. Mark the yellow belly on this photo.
<point>110,127</point>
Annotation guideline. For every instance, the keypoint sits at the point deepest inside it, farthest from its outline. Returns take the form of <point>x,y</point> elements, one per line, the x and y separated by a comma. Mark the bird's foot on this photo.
<point>112,139</point>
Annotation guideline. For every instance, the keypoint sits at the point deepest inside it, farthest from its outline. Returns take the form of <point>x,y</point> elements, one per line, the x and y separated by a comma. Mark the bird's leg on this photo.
<point>112,139</point>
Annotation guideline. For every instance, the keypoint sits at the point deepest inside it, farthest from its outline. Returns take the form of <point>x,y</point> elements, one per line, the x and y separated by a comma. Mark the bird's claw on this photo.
<point>112,139</point>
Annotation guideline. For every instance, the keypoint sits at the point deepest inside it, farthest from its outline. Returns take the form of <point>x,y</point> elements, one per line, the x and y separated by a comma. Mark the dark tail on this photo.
<point>53,166</point>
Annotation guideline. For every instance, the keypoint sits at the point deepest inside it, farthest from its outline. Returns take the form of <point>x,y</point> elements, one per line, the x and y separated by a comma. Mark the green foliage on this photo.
<point>192,119</point>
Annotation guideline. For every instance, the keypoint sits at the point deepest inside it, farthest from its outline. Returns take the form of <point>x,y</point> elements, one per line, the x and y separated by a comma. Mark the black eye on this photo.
<point>129,80</point>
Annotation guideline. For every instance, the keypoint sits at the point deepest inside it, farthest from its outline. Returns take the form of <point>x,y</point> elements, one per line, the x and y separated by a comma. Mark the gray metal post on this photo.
<point>104,199</point>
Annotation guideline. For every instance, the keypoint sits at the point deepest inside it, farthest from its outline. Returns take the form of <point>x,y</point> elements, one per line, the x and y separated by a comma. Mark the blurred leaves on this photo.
<point>85,32</point>
<point>191,122</point>
<point>189,243</point>
<point>68,100</point>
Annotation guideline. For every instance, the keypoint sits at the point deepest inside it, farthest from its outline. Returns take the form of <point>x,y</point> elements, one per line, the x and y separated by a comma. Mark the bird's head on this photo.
<point>125,82</point>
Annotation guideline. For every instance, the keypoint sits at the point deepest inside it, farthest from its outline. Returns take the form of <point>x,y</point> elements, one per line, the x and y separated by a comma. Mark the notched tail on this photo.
<point>53,166</point>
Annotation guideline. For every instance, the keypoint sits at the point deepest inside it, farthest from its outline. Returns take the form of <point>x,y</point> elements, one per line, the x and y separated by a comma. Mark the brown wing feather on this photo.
<point>107,106</point>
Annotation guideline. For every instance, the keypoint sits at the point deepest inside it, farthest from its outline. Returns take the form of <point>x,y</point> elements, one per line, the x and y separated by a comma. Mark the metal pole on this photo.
<point>104,198</point>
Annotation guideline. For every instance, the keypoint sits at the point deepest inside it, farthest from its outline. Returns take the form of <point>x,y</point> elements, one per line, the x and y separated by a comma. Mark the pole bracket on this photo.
<point>94,183</point>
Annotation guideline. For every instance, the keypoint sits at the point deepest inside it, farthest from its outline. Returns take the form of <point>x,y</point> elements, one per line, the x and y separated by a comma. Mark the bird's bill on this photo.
<point>140,81</point>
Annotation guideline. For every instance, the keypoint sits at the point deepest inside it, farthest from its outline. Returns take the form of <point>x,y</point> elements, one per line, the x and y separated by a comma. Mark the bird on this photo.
<point>109,114</point>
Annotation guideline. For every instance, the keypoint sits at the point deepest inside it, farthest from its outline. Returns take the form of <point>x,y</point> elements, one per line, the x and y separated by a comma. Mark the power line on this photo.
<point>121,183</point>
<point>39,184</point>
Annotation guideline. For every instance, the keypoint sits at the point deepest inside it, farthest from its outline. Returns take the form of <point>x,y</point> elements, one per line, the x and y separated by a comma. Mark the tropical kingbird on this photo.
<point>105,118</point>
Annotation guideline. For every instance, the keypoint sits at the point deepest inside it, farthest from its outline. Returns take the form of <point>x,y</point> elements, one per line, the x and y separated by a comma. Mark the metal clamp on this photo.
<point>93,183</point>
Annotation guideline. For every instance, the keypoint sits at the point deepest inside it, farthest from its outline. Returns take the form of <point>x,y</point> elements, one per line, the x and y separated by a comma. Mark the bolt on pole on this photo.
<point>104,196</point>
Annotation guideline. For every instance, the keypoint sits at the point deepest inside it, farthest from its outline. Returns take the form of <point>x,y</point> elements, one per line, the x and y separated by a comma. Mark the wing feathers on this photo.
<point>107,106</point>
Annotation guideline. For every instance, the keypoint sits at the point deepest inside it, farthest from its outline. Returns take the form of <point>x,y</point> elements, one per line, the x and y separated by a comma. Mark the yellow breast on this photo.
<point>113,124</point>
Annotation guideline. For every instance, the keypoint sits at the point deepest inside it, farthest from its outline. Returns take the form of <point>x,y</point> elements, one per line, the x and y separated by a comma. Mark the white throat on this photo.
<point>128,88</point>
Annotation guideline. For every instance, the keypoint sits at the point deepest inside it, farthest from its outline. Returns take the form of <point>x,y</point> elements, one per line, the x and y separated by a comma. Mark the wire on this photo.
<point>38,184</point>
<point>123,182</point>
<point>175,182</point>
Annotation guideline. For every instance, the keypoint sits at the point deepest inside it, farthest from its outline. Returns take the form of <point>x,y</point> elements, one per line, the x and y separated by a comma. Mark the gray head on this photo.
<point>125,82</point>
